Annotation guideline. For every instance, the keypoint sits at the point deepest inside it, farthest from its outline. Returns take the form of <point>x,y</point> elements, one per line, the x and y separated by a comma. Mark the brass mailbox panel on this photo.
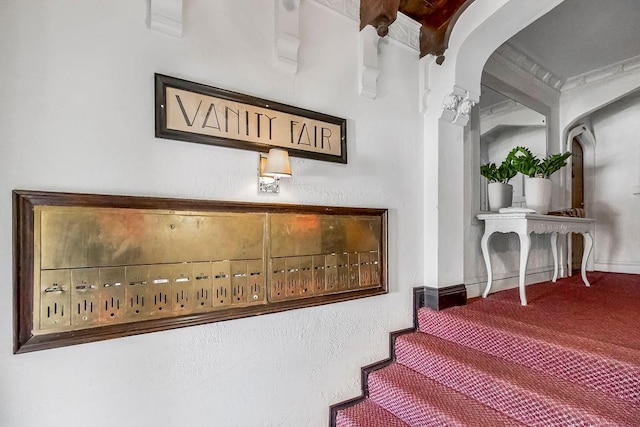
<point>55,299</point>
<point>365,269</point>
<point>292,276</point>
<point>354,270</point>
<point>221,284</point>
<point>85,297</point>
<point>277,279</point>
<point>96,267</point>
<point>239,282</point>
<point>343,271</point>
<point>306,287</point>
<point>331,273</point>
<point>257,286</point>
<point>112,286</point>
<point>318,265</point>
<point>182,290</point>
<point>136,292</point>
<point>204,295</point>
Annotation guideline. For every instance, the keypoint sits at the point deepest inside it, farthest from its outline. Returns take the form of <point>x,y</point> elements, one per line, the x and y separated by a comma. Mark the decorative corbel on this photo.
<point>424,84</point>
<point>165,16</point>
<point>457,105</point>
<point>287,34</point>
<point>368,60</point>
<point>379,14</point>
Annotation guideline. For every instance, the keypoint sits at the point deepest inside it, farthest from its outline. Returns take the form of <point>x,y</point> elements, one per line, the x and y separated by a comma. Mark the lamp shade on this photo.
<point>277,163</point>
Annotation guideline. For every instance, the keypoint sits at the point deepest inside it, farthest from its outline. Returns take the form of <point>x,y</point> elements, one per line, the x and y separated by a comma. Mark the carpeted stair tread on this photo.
<point>367,414</point>
<point>534,398</point>
<point>419,401</point>
<point>495,310</point>
<point>601,366</point>
<point>591,312</point>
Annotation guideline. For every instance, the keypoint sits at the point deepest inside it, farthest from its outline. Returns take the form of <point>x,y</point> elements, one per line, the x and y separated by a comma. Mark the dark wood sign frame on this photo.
<point>303,140</point>
<point>24,208</point>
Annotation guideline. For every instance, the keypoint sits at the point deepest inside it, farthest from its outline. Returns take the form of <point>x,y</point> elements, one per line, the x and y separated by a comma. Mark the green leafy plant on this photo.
<point>503,173</point>
<point>525,162</point>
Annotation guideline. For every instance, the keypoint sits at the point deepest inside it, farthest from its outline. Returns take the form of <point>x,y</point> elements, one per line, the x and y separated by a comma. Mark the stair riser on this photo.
<point>405,407</point>
<point>522,404</point>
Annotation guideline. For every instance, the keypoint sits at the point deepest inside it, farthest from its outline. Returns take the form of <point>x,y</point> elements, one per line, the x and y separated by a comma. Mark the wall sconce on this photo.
<point>273,166</point>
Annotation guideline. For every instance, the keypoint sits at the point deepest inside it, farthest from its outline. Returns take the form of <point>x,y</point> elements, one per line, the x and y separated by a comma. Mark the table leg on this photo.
<point>554,251</point>
<point>484,244</point>
<point>588,244</point>
<point>525,245</point>
<point>569,259</point>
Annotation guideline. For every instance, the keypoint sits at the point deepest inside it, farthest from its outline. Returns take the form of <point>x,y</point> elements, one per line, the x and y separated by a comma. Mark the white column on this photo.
<point>444,137</point>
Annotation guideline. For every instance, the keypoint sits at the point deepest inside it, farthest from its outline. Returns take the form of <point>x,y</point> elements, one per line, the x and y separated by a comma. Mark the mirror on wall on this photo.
<point>505,124</point>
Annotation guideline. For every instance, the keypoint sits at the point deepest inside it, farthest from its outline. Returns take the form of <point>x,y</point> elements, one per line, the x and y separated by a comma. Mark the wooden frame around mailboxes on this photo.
<point>27,213</point>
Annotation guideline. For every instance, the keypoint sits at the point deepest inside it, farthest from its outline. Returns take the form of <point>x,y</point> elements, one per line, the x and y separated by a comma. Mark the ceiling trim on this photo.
<point>608,72</point>
<point>499,108</point>
<point>404,30</point>
<point>523,61</point>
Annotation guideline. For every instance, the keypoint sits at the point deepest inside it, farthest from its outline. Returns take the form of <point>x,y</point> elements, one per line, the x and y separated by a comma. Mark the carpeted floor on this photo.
<point>608,311</point>
<point>571,357</point>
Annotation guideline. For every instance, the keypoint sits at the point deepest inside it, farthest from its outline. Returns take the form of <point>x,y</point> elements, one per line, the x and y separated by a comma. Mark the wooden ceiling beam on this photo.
<point>437,18</point>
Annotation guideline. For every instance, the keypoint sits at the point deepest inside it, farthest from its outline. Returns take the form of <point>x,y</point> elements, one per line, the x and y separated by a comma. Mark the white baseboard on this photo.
<point>477,285</point>
<point>617,267</point>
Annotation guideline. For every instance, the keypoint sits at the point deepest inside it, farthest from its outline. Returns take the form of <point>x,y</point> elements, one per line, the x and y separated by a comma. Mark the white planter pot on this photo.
<point>500,195</point>
<point>537,194</point>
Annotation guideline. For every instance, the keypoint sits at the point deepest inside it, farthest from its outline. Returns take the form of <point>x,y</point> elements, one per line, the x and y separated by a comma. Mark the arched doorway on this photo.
<point>577,200</point>
<point>581,171</point>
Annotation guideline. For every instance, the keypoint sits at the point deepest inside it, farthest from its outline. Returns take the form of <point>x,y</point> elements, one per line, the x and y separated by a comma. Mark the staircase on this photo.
<point>470,366</point>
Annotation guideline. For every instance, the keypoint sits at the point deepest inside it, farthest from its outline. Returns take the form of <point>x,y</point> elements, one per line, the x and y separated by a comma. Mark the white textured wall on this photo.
<point>617,161</point>
<point>616,129</point>
<point>76,83</point>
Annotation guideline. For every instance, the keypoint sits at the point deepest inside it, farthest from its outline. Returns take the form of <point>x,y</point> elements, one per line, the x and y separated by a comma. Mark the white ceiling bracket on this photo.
<point>368,62</point>
<point>165,16</point>
<point>424,84</point>
<point>287,35</point>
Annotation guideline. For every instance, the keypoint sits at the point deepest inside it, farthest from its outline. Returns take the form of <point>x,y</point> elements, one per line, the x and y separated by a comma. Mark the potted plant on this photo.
<point>537,187</point>
<point>499,191</point>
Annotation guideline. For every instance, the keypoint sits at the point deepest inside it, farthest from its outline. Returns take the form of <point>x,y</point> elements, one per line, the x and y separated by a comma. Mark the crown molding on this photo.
<point>348,8</point>
<point>606,73</point>
<point>404,30</point>
<point>521,60</point>
<point>500,108</point>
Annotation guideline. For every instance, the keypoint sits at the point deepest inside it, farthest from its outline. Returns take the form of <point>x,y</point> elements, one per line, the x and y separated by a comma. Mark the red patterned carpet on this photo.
<point>571,357</point>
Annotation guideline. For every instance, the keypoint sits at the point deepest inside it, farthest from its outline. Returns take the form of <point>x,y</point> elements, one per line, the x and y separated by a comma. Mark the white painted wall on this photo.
<point>76,82</point>
<point>587,97</point>
<point>617,175</point>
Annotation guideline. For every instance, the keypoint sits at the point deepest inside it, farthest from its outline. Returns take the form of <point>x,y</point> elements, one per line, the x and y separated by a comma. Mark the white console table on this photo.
<point>526,223</point>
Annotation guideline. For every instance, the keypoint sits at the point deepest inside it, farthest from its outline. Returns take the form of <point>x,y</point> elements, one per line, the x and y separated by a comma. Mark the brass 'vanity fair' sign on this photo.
<point>92,267</point>
<point>194,112</point>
